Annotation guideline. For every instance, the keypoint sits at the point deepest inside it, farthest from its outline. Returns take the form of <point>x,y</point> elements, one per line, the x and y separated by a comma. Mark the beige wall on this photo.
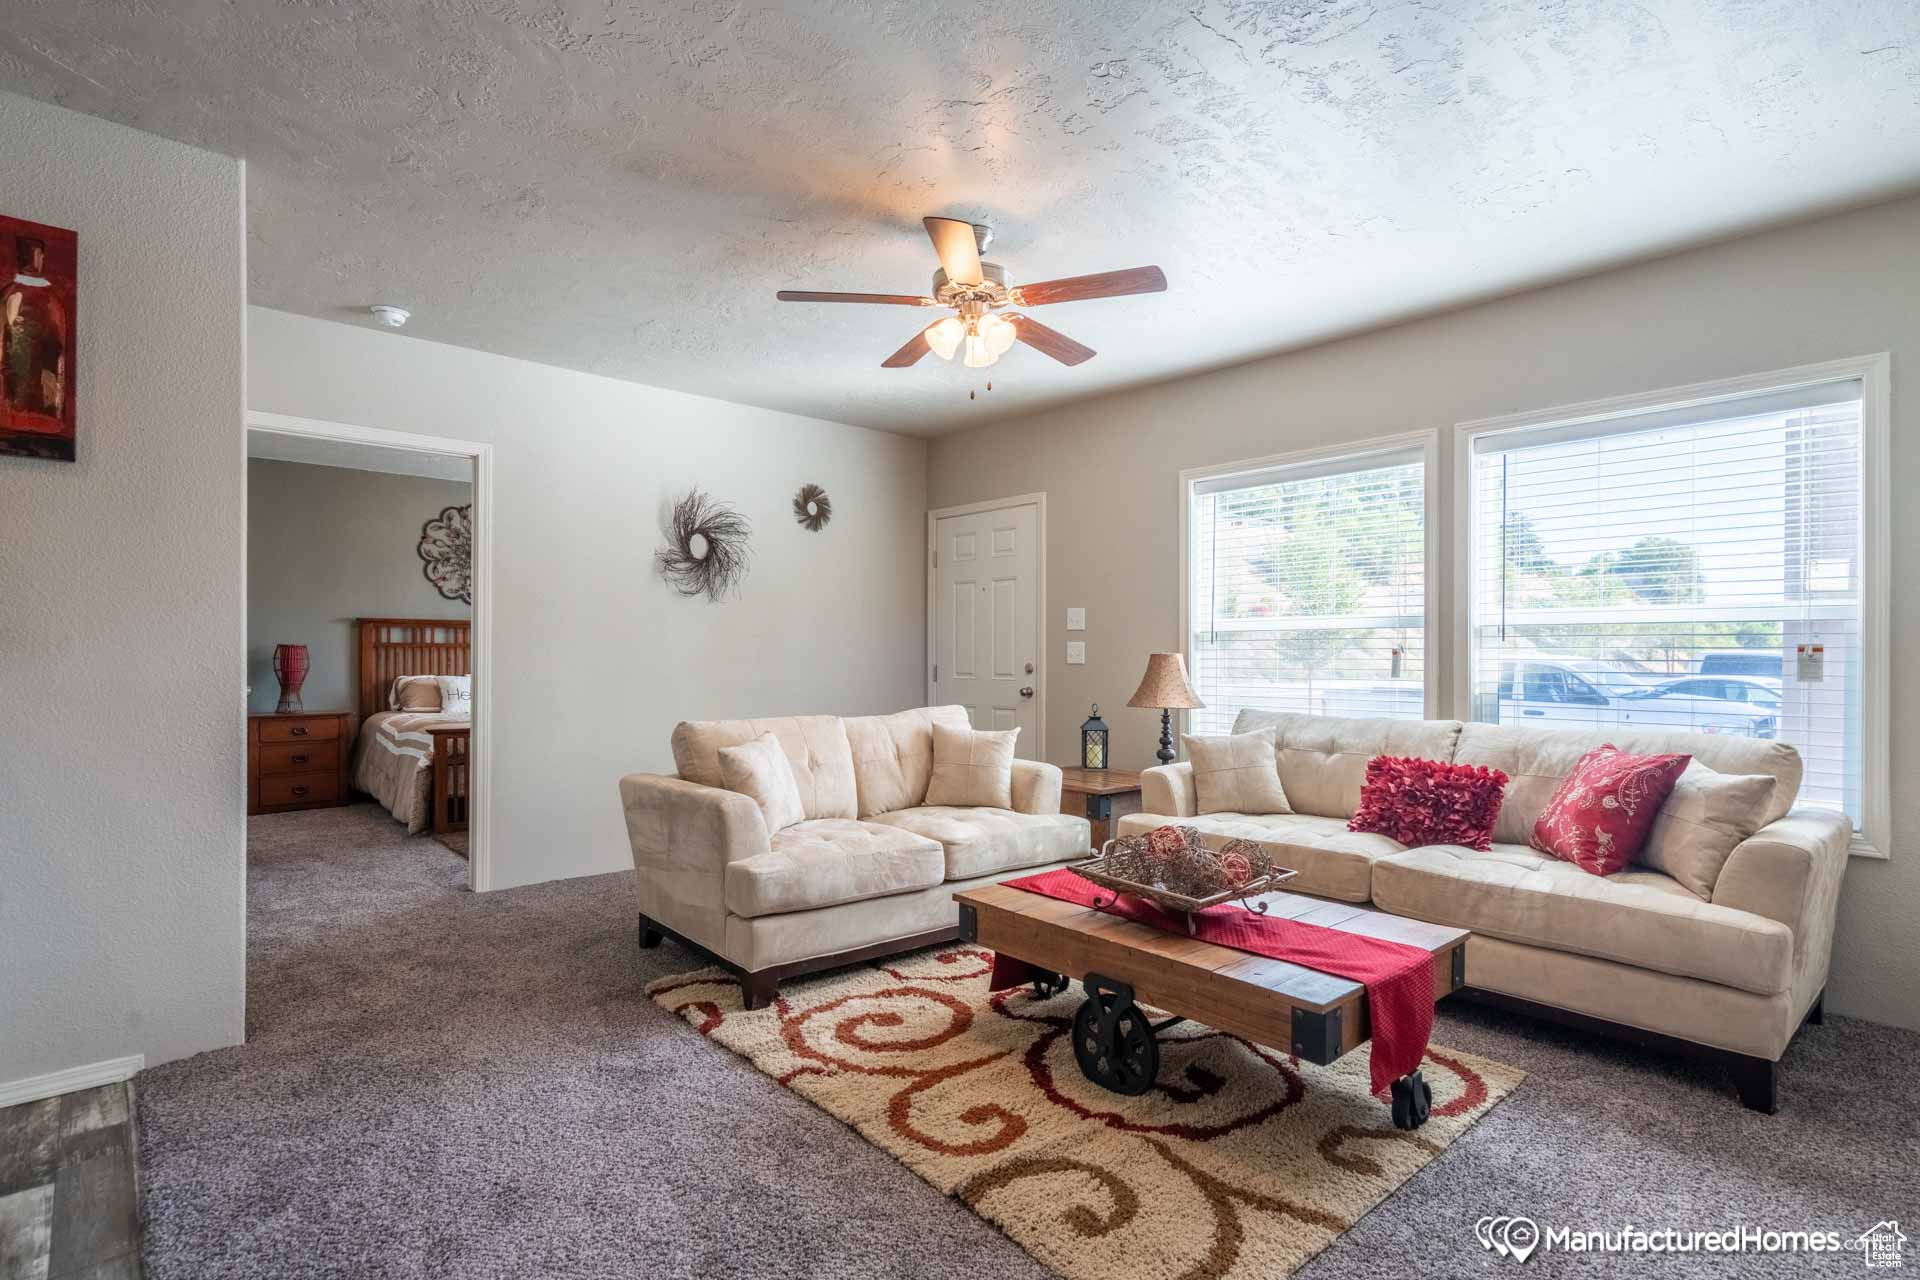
<point>122,773</point>
<point>595,659</point>
<point>1843,286</point>
<point>326,545</point>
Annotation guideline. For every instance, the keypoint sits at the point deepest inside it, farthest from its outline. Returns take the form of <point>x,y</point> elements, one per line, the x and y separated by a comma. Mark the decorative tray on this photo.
<point>1240,866</point>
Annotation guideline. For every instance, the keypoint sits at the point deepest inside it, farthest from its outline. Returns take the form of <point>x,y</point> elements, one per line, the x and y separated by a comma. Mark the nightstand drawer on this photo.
<point>300,757</point>
<point>298,728</point>
<point>299,788</point>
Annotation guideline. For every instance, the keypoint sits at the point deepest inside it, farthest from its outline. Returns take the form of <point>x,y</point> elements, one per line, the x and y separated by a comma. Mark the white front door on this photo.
<point>986,619</point>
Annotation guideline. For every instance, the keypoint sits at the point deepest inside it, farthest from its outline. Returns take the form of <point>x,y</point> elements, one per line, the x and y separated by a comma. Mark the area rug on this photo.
<point>1240,1162</point>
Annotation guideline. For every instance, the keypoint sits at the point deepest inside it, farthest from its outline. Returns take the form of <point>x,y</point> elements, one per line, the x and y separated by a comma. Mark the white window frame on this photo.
<point>1873,839</point>
<point>1357,452</point>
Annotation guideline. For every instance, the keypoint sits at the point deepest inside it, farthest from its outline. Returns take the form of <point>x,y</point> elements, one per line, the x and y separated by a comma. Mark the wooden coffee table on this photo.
<point>1122,964</point>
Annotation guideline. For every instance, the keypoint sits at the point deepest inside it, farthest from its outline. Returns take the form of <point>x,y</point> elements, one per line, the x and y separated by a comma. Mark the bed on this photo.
<point>413,763</point>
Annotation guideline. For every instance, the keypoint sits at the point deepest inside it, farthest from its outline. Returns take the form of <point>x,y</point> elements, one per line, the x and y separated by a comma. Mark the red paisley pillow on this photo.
<point>1601,814</point>
<point>1427,802</point>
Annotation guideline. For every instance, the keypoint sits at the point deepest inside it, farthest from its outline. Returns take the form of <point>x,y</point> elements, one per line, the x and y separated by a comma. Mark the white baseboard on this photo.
<point>73,1079</point>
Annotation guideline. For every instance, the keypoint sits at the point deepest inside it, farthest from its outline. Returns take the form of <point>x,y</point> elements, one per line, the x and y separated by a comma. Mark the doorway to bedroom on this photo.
<point>365,648</point>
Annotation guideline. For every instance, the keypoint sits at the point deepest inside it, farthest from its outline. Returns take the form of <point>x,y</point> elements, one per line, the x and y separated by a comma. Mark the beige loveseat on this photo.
<point>871,871</point>
<point>1730,975</point>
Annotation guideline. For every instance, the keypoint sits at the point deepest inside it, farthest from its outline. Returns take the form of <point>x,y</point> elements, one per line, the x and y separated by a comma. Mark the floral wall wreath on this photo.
<point>446,548</point>
<point>706,552</point>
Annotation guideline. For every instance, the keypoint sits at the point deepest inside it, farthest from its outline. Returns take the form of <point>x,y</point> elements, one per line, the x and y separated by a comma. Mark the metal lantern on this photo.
<point>1093,741</point>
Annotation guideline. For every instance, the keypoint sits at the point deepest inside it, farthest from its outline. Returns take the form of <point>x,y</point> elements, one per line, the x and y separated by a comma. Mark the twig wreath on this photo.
<point>706,551</point>
<point>812,508</point>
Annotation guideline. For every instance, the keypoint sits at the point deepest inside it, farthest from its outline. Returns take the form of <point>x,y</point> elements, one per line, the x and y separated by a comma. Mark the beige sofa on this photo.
<point>1730,976</point>
<point>871,871</point>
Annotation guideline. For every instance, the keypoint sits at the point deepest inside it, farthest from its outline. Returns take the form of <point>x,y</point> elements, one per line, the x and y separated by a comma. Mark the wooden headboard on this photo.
<point>392,647</point>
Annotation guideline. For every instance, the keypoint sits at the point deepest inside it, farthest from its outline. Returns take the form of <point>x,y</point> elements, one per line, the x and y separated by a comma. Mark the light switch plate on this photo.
<point>1076,619</point>
<point>1076,653</point>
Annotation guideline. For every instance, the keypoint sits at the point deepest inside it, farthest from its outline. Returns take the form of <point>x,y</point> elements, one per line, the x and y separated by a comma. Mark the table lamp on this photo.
<point>1165,686</point>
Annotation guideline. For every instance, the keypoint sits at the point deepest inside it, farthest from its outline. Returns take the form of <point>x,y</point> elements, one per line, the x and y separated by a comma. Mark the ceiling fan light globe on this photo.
<point>979,355</point>
<point>943,339</point>
<point>999,333</point>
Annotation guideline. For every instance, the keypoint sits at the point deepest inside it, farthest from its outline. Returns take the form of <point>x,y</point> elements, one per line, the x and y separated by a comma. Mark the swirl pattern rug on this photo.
<point>1240,1162</point>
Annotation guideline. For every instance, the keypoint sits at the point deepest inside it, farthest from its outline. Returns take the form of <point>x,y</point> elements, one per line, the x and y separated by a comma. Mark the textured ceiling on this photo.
<point>620,186</point>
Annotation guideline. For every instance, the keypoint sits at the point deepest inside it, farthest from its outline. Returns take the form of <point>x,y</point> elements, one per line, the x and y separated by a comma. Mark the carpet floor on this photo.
<point>442,1084</point>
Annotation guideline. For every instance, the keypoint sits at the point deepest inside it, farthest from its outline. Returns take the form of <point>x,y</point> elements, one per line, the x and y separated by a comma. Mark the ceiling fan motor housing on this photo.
<point>992,289</point>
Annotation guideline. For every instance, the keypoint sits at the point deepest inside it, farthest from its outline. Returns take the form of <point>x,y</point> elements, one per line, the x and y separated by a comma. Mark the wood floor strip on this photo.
<point>29,1144</point>
<point>26,1233</point>
<point>94,1215</point>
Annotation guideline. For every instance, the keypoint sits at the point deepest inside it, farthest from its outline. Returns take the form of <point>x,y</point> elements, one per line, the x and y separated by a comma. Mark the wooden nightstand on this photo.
<point>1101,796</point>
<point>298,760</point>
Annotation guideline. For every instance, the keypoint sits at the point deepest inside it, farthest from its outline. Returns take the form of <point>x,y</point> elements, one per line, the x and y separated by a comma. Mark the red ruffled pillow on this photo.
<point>1427,802</point>
<point>1601,814</point>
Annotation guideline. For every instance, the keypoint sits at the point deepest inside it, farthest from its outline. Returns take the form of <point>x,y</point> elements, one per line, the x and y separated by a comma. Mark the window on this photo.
<point>1306,586</point>
<point>1663,567</point>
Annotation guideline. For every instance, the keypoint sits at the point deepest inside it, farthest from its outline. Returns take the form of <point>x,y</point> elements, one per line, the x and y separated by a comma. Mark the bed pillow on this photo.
<point>1702,822</point>
<point>761,771</point>
<point>1599,818</point>
<point>1238,773</point>
<point>972,767</point>
<point>1422,802</point>
<point>414,693</point>
<point>456,695</point>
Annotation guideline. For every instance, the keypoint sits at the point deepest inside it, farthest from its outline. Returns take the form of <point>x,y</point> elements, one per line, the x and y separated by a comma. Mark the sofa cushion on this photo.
<point>893,756</point>
<point>1600,814</point>
<point>1637,917</point>
<point>972,767</point>
<point>1420,801</point>
<point>827,861</point>
<point>1537,760</point>
<point>760,771</point>
<point>1236,774</point>
<point>981,841</point>
<point>1702,823</point>
<point>1323,759</point>
<point>816,746</point>
<point>1333,862</point>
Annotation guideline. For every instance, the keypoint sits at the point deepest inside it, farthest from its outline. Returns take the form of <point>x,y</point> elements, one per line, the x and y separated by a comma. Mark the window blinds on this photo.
<point>1663,570</point>
<point>1308,590</point>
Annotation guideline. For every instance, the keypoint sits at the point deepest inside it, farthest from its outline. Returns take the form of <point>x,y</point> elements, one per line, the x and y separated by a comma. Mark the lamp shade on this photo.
<point>1165,684</point>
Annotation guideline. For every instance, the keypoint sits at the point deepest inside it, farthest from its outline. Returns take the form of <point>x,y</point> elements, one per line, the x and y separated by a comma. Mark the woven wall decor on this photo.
<point>446,552</point>
<point>812,507</point>
<point>706,552</point>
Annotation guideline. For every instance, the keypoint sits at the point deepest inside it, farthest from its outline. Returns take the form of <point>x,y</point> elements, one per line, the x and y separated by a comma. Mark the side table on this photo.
<point>1100,796</point>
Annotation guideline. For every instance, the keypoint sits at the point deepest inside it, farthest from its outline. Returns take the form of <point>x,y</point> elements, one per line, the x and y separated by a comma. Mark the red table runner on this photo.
<point>1398,977</point>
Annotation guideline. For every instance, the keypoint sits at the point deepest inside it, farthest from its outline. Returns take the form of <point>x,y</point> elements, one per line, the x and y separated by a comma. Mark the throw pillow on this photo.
<point>761,771</point>
<point>415,693</point>
<point>1599,818</point>
<point>1236,774</point>
<point>456,695</point>
<point>1422,802</point>
<point>1702,822</point>
<point>972,767</point>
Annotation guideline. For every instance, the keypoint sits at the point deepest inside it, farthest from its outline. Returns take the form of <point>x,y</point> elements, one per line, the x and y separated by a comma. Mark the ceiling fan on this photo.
<point>978,291</point>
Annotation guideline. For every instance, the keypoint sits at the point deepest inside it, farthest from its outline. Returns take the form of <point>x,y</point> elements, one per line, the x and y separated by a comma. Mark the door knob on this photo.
<point>1027,692</point>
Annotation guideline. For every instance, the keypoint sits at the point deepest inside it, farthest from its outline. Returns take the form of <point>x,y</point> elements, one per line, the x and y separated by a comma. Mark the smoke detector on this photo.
<point>391,316</point>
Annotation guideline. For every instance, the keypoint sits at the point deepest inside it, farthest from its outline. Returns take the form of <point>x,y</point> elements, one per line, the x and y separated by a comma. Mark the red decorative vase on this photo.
<point>290,667</point>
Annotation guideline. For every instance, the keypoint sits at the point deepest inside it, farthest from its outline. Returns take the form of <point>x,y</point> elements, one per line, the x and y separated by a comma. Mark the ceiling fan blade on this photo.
<point>959,251</point>
<point>1107,284</point>
<point>895,299</point>
<point>911,353</point>
<point>1051,341</point>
